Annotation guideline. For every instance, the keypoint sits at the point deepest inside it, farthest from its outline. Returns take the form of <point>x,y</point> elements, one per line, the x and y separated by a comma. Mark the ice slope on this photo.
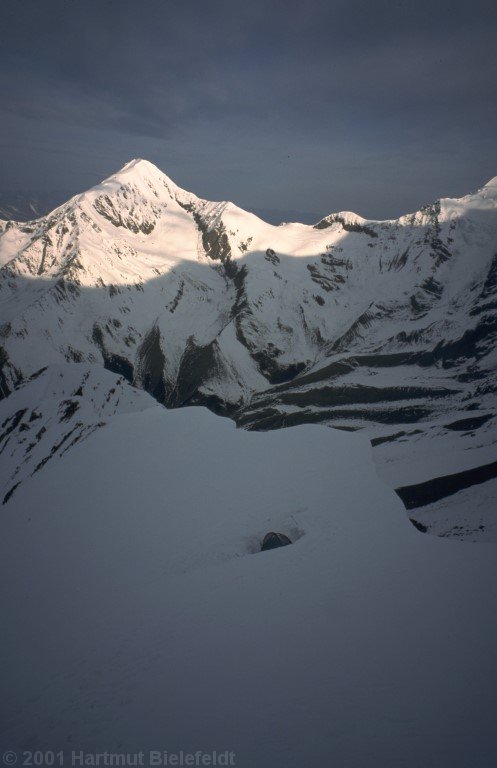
<point>389,327</point>
<point>137,614</point>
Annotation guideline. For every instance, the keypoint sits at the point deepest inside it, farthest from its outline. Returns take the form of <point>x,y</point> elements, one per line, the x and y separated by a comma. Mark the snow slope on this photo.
<point>137,614</point>
<point>48,415</point>
<point>388,327</point>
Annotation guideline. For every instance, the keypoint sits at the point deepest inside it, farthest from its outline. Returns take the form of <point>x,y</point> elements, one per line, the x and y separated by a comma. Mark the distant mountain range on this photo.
<point>25,205</point>
<point>388,327</point>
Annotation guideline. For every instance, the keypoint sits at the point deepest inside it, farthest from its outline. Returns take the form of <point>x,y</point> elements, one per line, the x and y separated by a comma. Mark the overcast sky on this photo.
<point>295,106</point>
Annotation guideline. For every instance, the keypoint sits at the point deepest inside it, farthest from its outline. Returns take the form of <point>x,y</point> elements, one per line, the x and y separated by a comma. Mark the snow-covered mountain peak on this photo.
<point>477,204</point>
<point>348,216</point>
<point>348,220</point>
<point>350,322</point>
<point>142,179</point>
<point>139,172</point>
<point>140,164</point>
<point>490,188</point>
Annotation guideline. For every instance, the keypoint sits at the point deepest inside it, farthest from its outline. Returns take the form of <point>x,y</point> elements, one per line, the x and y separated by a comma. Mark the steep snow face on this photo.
<point>384,326</point>
<point>138,614</point>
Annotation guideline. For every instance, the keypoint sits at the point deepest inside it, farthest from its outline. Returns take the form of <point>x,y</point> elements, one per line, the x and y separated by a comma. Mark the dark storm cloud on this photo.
<point>344,91</point>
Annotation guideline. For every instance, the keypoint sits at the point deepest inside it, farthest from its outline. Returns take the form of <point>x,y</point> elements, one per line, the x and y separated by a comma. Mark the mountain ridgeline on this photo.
<point>388,327</point>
